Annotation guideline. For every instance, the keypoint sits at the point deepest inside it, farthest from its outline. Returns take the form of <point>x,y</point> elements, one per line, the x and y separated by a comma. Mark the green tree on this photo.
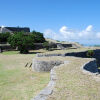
<point>37,37</point>
<point>22,41</point>
<point>4,37</point>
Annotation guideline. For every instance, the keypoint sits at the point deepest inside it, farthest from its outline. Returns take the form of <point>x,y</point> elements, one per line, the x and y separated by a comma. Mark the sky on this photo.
<point>64,20</point>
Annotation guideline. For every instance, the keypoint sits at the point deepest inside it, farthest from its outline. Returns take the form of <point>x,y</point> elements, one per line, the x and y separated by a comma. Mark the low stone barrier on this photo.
<point>43,95</point>
<point>89,68</point>
<point>75,54</point>
<point>43,66</point>
<point>48,55</point>
<point>6,47</point>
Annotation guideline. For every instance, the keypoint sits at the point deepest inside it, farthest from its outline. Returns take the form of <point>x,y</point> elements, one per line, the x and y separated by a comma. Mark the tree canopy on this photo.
<point>38,37</point>
<point>25,41</point>
<point>4,37</point>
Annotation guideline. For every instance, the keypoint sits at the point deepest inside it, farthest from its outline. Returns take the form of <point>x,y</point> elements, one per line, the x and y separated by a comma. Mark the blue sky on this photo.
<point>66,20</point>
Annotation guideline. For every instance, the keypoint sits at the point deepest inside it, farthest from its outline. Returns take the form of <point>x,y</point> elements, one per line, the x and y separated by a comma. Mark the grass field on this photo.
<point>20,83</point>
<point>16,81</point>
<point>73,84</point>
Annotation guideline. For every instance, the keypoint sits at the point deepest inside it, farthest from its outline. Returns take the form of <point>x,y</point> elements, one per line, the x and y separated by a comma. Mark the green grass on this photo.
<point>16,81</point>
<point>10,52</point>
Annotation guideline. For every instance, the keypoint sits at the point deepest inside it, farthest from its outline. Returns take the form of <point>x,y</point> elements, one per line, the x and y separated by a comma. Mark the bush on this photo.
<point>99,70</point>
<point>46,45</point>
<point>90,53</point>
<point>4,37</point>
<point>22,41</point>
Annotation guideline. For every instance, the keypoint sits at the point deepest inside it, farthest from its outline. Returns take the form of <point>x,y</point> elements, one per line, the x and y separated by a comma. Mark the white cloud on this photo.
<point>73,34</point>
<point>87,33</point>
<point>51,34</point>
<point>89,28</point>
<point>63,29</point>
<point>98,35</point>
<point>48,33</point>
<point>66,34</point>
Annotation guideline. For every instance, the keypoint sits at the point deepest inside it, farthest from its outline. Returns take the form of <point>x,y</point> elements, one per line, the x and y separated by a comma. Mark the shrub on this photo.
<point>90,53</point>
<point>99,70</point>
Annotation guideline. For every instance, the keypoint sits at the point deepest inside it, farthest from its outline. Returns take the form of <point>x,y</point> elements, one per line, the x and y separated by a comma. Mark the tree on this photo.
<point>25,41</point>
<point>37,37</point>
<point>4,37</point>
<point>22,41</point>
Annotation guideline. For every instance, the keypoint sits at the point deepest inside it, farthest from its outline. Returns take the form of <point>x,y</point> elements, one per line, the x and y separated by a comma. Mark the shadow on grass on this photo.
<point>91,67</point>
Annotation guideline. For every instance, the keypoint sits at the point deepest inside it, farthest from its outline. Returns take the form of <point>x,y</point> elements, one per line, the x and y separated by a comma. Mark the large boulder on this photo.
<point>45,65</point>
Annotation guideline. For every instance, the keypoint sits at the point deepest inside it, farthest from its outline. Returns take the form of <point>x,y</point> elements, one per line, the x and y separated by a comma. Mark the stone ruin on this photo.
<point>45,66</point>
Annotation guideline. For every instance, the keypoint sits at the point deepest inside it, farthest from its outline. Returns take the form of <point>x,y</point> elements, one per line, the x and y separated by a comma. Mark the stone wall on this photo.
<point>51,65</point>
<point>5,47</point>
<point>38,46</point>
<point>63,46</point>
<point>75,54</point>
<point>44,66</point>
<point>49,55</point>
<point>86,68</point>
<point>43,95</point>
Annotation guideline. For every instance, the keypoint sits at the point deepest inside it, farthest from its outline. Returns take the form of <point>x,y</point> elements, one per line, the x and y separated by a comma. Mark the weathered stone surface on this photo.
<point>42,66</point>
<point>43,95</point>
<point>60,46</point>
<point>48,55</point>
